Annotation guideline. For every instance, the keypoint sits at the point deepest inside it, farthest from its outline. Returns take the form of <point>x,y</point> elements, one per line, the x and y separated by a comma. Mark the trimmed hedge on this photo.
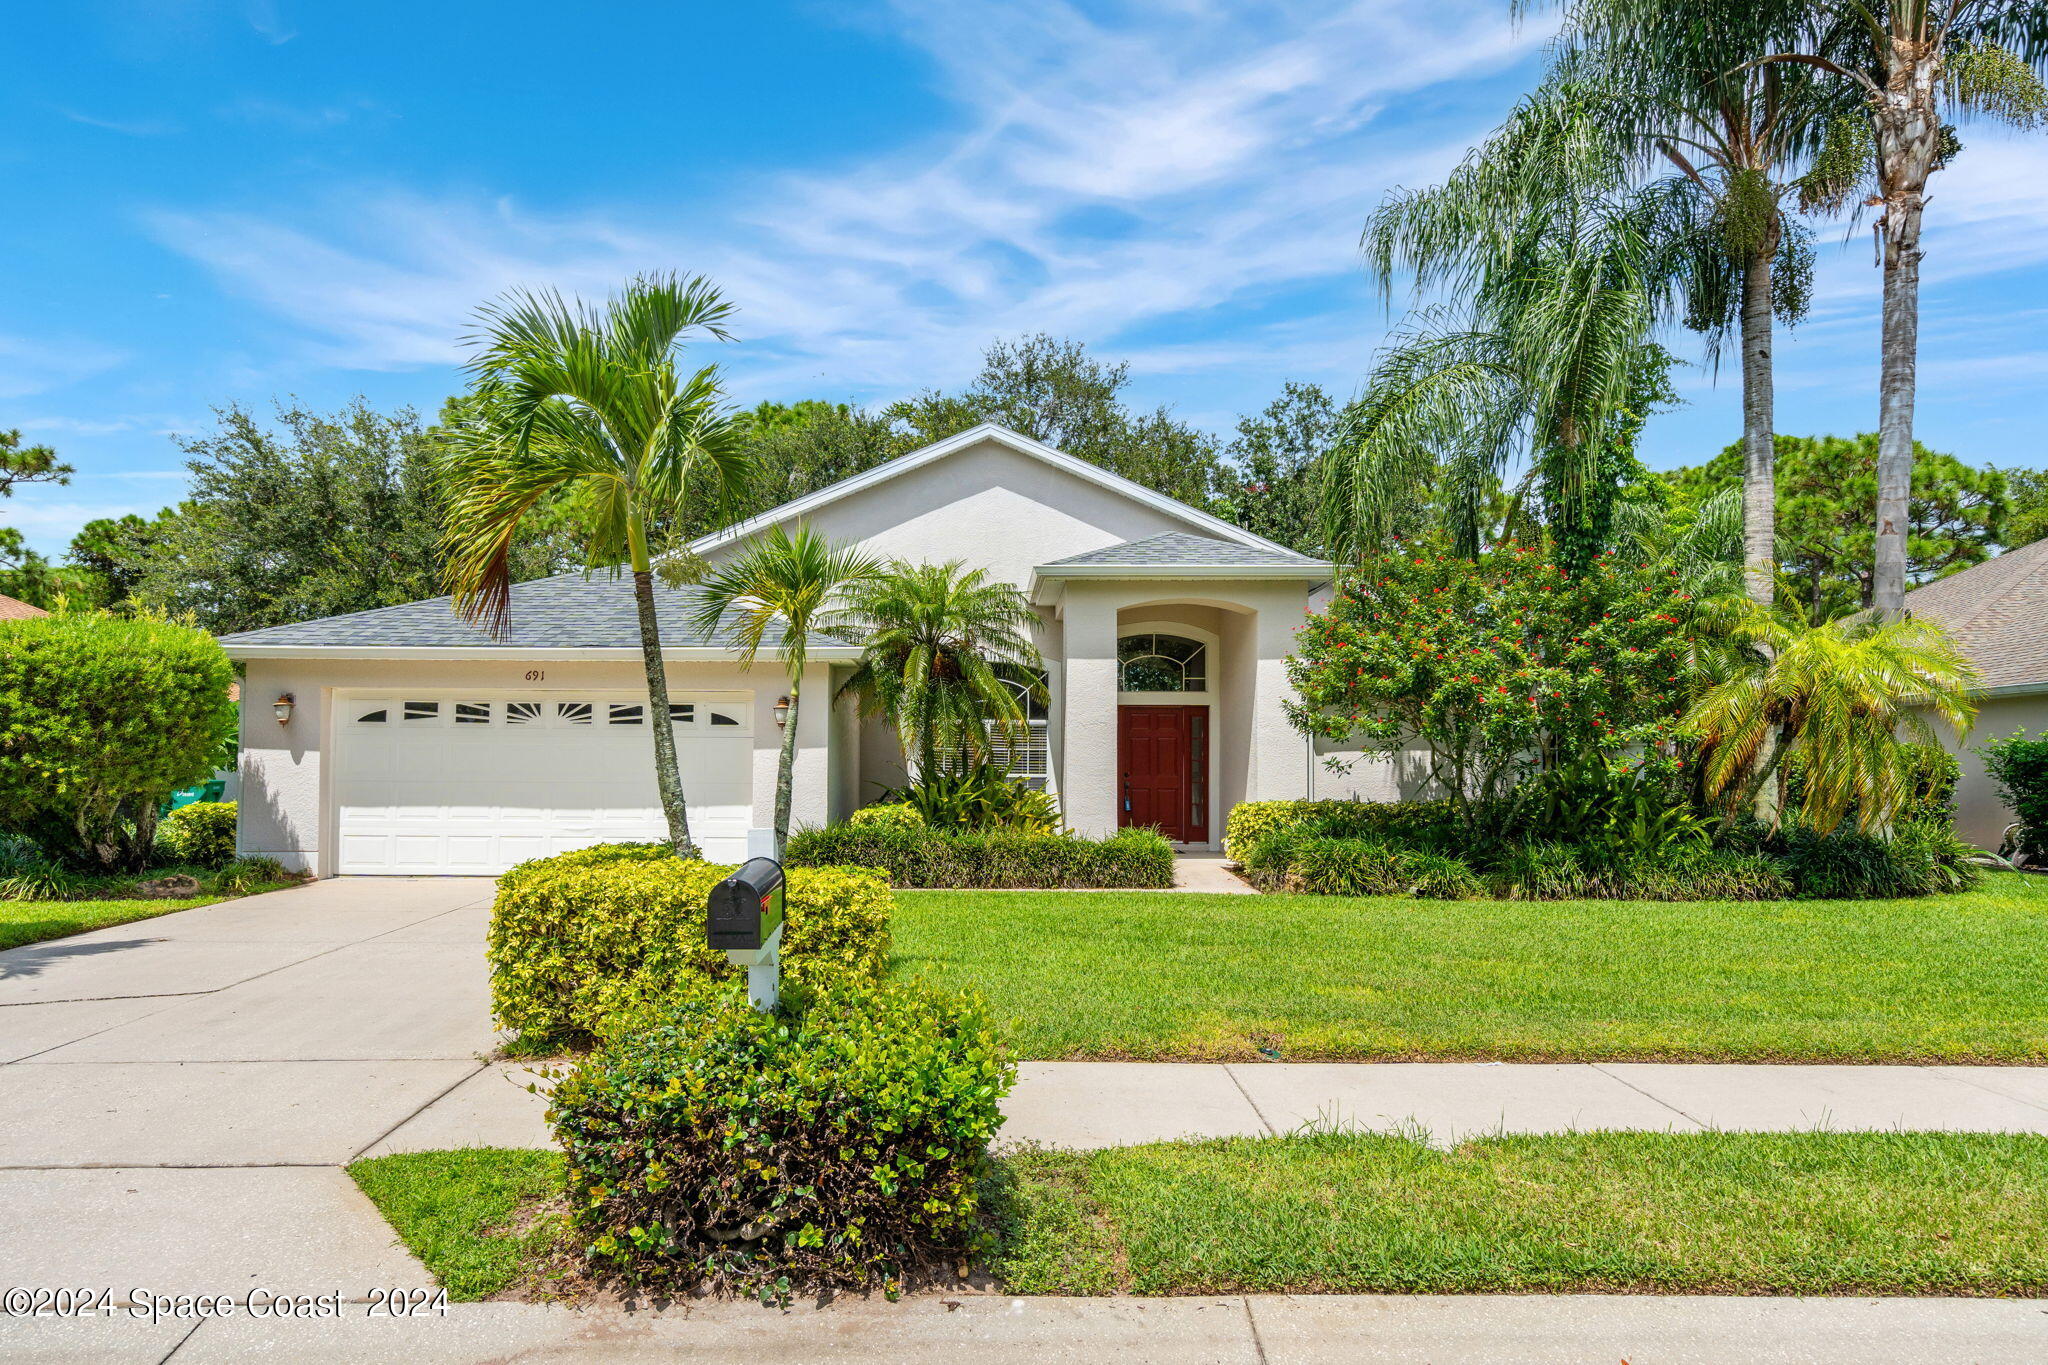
<point>1424,824</point>
<point>1559,872</point>
<point>202,832</point>
<point>713,1146</point>
<point>888,815</point>
<point>577,938</point>
<point>994,859</point>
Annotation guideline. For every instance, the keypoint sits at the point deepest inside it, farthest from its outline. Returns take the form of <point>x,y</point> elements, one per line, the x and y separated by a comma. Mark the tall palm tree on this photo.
<point>1831,701</point>
<point>1565,266</point>
<point>946,649</point>
<point>1682,93</point>
<point>589,406</point>
<point>795,583</point>
<point>1905,59</point>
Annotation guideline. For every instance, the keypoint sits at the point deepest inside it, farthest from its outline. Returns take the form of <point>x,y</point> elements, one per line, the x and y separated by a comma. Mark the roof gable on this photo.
<point>1997,613</point>
<point>798,508</point>
<point>1174,550</point>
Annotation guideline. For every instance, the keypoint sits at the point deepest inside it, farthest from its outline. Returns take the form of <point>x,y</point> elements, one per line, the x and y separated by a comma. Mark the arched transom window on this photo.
<point>1161,663</point>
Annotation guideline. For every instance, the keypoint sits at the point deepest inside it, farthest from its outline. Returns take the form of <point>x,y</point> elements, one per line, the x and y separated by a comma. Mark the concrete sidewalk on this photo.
<point>1249,1330</point>
<point>178,1097</point>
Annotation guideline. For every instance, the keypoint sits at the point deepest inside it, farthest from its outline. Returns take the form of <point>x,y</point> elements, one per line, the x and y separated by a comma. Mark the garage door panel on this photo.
<point>430,795</point>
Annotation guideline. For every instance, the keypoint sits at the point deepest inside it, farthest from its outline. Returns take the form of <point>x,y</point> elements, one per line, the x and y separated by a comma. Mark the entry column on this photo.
<point>1088,780</point>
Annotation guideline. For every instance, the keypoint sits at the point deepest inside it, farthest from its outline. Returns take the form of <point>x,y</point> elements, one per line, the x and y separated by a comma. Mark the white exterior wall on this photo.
<point>1981,813</point>
<point>285,812</point>
<point>988,506</point>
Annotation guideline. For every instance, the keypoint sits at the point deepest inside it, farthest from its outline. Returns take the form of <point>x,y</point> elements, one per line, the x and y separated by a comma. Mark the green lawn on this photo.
<point>31,921</point>
<point>1149,975</point>
<point>467,1214</point>
<point>1749,1213</point>
<point>1688,1213</point>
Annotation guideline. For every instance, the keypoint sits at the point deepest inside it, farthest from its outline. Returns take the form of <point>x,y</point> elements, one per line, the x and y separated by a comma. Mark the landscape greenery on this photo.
<point>1622,691</point>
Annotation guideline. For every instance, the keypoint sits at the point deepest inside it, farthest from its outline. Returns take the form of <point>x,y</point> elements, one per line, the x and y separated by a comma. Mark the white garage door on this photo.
<point>468,783</point>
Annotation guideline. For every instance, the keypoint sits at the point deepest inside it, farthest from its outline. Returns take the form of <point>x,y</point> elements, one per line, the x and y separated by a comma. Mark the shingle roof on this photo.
<point>1177,549</point>
<point>12,609</point>
<point>1997,612</point>
<point>569,611</point>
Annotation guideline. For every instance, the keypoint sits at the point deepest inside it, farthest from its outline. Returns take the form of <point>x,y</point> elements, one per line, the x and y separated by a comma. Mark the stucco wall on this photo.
<point>988,506</point>
<point>283,811</point>
<point>1981,813</point>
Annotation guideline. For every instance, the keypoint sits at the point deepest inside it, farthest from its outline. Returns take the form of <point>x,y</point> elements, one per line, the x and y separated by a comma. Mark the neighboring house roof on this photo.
<point>1174,550</point>
<point>13,610</point>
<point>1998,613</point>
<point>572,611</point>
<point>987,431</point>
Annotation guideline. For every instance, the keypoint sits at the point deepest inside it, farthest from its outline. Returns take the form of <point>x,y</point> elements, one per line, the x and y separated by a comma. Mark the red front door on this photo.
<point>1162,758</point>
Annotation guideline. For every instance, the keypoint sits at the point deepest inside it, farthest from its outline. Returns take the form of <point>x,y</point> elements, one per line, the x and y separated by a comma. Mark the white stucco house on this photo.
<point>416,744</point>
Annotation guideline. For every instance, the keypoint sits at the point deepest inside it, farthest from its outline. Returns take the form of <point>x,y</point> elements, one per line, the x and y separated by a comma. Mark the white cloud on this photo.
<point>1107,177</point>
<point>34,365</point>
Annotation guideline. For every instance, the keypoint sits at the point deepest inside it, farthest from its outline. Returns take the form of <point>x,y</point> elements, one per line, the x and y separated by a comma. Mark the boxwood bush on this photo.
<point>1421,824</point>
<point>843,1146</point>
<point>202,833</point>
<point>993,858</point>
<point>579,937</point>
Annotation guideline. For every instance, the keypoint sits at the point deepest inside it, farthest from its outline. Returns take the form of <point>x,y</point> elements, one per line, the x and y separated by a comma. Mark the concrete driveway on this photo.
<point>178,1095</point>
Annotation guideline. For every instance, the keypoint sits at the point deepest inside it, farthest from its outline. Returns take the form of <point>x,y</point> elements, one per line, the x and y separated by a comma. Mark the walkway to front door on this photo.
<point>1163,763</point>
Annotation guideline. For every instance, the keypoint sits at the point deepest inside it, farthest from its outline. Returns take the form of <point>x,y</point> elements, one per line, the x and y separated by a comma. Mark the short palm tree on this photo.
<point>795,584</point>
<point>945,651</point>
<point>1832,701</point>
<point>589,407</point>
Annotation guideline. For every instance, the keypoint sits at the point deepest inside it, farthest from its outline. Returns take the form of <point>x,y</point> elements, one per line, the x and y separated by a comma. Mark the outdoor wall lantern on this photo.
<point>781,712</point>
<point>282,708</point>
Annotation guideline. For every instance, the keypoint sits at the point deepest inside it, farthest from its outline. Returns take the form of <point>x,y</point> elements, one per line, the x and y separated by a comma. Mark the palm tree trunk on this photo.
<point>1759,462</point>
<point>1895,405</point>
<point>667,774</point>
<point>785,769</point>
<point>1908,127</point>
<point>1759,455</point>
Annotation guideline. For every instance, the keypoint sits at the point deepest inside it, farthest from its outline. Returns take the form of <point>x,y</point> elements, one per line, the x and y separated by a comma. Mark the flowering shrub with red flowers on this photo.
<point>1498,666</point>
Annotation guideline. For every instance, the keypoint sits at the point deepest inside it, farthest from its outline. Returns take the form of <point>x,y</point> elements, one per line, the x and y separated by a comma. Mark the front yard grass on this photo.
<point>1697,1213</point>
<point>32,921</point>
<point>1139,975</point>
<point>480,1218</point>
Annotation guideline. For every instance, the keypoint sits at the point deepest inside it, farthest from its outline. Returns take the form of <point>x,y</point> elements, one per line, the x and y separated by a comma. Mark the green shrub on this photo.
<point>1921,858</point>
<point>1307,861</point>
<point>101,718</point>
<point>1439,877</point>
<point>202,833</point>
<point>984,796</point>
<point>243,875</point>
<point>1561,872</point>
<point>577,938</point>
<point>2020,768</point>
<point>844,1146</point>
<point>992,859</point>
<point>1423,824</point>
<point>888,815</point>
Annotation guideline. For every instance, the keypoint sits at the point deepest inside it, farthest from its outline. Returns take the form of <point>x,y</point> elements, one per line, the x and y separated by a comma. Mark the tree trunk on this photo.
<point>1759,454</point>
<point>667,775</point>
<point>785,769</point>
<point>1908,127</point>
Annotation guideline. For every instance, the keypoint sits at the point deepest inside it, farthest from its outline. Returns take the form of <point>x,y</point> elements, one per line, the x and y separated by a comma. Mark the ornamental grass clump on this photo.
<point>843,1146</point>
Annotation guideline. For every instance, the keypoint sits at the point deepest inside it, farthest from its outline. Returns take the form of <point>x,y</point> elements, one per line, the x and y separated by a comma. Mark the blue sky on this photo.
<point>223,201</point>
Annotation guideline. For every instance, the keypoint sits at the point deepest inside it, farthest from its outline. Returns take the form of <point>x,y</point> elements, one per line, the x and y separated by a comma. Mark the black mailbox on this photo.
<point>746,908</point>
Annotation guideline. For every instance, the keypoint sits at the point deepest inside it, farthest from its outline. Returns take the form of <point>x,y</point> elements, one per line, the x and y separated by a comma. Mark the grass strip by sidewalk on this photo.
<point>476,1217</point>
<point>1697,1213</point>
<point>1141,975</point>
<point>1689,1213</point>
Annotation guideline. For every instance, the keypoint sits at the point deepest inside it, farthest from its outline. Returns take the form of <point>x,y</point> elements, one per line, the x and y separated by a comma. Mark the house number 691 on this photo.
<point>536,675</point>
